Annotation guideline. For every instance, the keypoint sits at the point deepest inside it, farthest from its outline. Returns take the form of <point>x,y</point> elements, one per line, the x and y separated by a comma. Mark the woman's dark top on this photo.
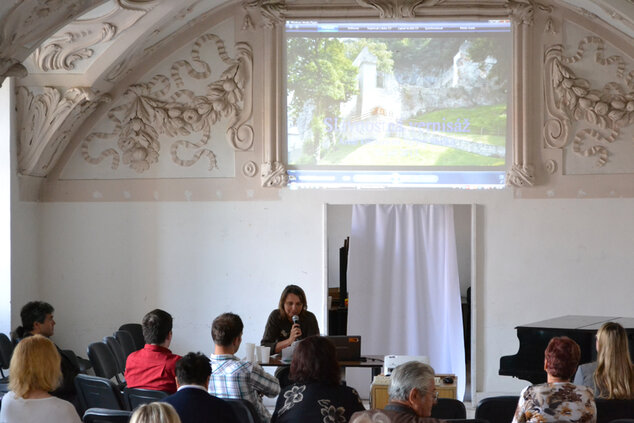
<point>278,328</point>
<point>316,402</point>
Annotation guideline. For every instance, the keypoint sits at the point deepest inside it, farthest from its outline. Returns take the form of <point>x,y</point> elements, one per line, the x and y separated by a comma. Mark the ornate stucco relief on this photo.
<point>77,41</point>
<point>46,119</point>
<point>27,24</point>
<point>148,111</point>
<point>272,12</point>
<point>599,112</point>
<point>397,9</point>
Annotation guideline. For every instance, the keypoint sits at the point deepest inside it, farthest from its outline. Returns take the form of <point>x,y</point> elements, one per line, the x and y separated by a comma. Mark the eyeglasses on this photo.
<point>435,396</point>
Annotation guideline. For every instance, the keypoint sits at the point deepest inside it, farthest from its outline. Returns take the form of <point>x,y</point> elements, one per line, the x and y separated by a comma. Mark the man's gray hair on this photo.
<point>408,376</point>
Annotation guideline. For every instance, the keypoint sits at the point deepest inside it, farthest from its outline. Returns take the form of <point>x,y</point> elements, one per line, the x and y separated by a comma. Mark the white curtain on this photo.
<point>403,284</point>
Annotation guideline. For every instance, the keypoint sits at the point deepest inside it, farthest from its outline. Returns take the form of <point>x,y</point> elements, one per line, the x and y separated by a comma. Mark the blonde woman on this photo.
<point>155,412</point>
<point>34,372</point>
<point>612,375</point>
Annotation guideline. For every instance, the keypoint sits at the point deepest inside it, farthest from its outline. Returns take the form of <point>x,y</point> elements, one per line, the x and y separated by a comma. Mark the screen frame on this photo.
<point>519,169</point>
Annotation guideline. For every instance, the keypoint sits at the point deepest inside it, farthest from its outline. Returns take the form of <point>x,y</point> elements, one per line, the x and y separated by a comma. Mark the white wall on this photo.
<point>105,264</point>
<point>5,205</point>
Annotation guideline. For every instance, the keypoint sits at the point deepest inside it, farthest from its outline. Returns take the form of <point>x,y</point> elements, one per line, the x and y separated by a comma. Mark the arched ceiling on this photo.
<point>83,48</point>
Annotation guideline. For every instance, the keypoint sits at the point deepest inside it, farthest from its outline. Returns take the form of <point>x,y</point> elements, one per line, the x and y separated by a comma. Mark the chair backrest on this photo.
<point>104,362</point>
<point>103,415</point>
<point>6,351</point>
<point>608,410</point>
<point>244,410</point>
<point>117,351</point>
<point>127,342</point>
<point>136,330</point>
<point>449,408</point>
<point>497,409</point>
<point>137,396</point>
<point>98,392</point>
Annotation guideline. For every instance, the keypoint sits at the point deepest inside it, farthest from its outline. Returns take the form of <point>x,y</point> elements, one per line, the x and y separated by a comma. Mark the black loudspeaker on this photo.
<point>343,273</point>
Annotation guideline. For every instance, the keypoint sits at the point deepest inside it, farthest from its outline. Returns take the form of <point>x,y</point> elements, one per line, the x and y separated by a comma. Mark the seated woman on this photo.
<point>280,331</point>
<point>612,375</point>
<point>155,412</point>
<point>317,392</point>
<point>557,400</point>
<point>34,372</point>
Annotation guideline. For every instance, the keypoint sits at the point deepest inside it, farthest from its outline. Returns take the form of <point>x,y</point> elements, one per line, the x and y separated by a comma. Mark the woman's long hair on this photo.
<point>614,376</point>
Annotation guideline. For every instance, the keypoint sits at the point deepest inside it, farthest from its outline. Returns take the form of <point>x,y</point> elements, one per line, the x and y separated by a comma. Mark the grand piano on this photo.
<point>528,363</point>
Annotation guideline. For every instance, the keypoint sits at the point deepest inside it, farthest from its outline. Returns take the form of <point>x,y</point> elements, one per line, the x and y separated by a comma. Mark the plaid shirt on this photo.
<point>232,378</point>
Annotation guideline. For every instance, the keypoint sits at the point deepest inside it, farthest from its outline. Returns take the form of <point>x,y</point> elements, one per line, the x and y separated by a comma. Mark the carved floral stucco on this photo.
<point>569,98</point>
<point>148,111</point>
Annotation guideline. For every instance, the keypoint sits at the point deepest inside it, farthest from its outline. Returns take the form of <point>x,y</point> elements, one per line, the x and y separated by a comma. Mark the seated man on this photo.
<point>412,394</point>
<point>232,378</point>
<point>191,401</point>
<point>37,319</point>
<point>154,366</point>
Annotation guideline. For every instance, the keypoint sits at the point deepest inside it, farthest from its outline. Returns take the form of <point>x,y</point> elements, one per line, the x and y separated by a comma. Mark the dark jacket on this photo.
<point>198,406</point>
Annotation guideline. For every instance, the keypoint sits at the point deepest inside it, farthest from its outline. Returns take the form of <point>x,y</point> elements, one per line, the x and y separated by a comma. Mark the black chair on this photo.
<point>104,415</point>
<point>136,330</point>
<point>98,392</point>
<point>104,363</point>
<point>497,409</point>
<point>623,421</point>
<point>127,342</point>
<point>609,410</point>
<point>117,351</point>
<point>244,410</point>
<point>6,351</point>
<point>449,408</point>
<point>137,396</point>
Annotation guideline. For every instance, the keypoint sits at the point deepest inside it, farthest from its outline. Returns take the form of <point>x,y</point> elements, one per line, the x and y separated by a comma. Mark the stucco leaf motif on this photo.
<point>148,111</point>
<point>397,9</point>
<point>46,119</point>
<point>272,11</point>
<point>521,12</point>
<point>274,174</point>
<point>573,99</point>
<point>520,176</point>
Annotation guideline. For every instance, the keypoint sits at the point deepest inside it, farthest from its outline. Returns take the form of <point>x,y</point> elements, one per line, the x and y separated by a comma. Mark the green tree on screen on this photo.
<point>319,74</point>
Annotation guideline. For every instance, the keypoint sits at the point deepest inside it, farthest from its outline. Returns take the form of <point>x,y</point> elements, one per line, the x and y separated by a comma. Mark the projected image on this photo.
<point>414,94</point>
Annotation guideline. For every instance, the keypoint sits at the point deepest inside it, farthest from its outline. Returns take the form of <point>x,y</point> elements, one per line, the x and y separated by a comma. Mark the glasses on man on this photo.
<point>435,396</point>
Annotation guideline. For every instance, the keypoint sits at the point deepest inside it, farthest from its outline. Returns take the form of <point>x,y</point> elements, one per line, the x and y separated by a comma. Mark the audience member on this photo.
<point>35,370</point>
<point>317,390</point>
<point>37,319</point>
<point>154,366</point>
<point>192,401</point>
<point>155,412</point>
<point>612,375</point>
<point>280,331</point>
<point>557,400</point>
<point>412,394</point>
<point>233,378</point>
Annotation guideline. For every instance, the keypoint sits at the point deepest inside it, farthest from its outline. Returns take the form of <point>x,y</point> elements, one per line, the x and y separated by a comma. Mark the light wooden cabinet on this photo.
<point>379,396</point>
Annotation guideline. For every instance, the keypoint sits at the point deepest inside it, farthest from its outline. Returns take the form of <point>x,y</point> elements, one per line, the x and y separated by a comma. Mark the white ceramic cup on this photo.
<point>250,348</point>
<point>263,354</point>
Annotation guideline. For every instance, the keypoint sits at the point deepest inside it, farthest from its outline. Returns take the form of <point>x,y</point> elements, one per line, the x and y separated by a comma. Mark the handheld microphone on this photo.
<point>295,320</point>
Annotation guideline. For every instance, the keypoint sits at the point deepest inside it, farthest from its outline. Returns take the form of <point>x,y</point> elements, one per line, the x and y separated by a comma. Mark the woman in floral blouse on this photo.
<point>558,400</point>
<point>317,395</point>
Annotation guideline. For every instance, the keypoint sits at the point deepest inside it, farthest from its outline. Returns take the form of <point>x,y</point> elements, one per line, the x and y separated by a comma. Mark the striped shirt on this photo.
<point>232,378</point>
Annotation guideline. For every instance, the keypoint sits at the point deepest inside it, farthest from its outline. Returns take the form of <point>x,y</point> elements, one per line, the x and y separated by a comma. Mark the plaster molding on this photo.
<point>46,121</point>
<point>521,12</point>
<point>148,111</point>
<point>274,175</point>
<point>76,41</point>
<point>30,22</point>
<point>272,12</point>
<point>250,169</point>
<point>397,9</point>
<point>571,99</point>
